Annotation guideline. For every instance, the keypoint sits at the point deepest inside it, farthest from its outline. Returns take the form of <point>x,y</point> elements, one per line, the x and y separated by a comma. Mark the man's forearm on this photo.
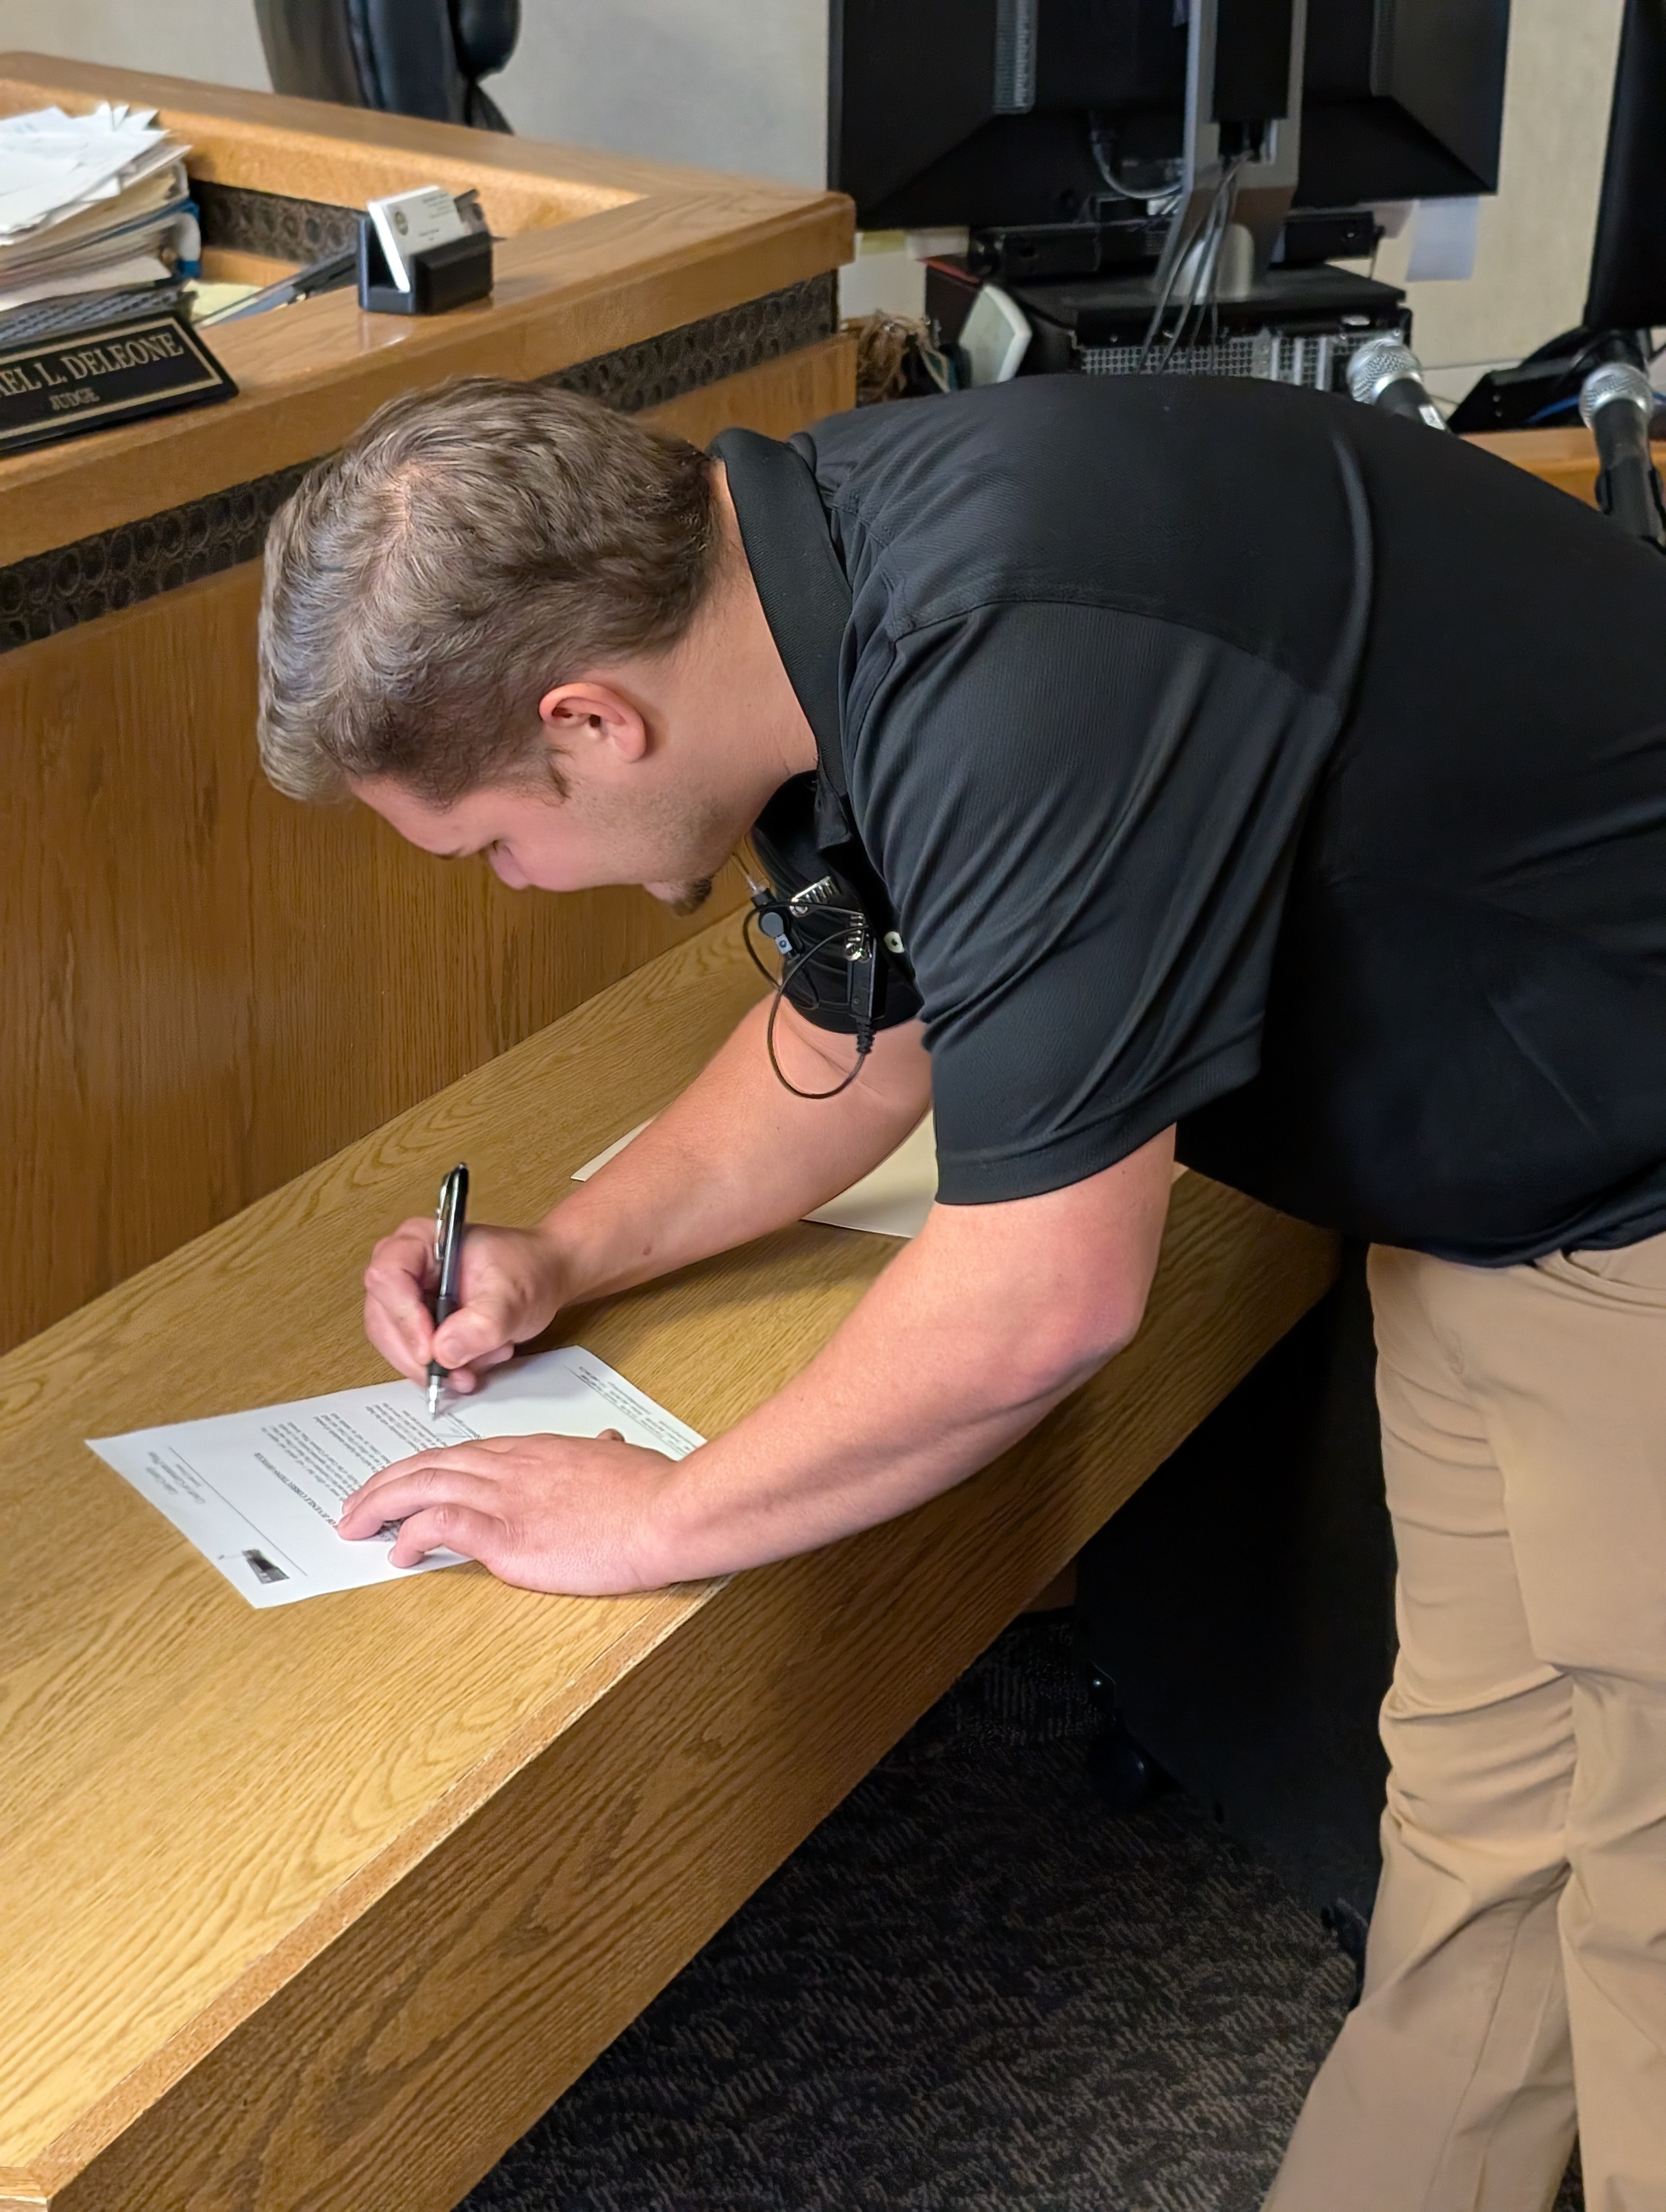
<point>975,1330</point>
<point>736,1154</point>
<point>972,1334</point>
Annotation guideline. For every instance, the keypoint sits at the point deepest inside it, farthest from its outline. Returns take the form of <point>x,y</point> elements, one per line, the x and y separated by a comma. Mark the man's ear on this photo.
<point>588,712</point>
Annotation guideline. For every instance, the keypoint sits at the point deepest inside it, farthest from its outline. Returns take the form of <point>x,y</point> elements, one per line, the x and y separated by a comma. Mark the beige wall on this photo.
<point>1535,236</point>
<point>213,40</point>
<point>726,84</point>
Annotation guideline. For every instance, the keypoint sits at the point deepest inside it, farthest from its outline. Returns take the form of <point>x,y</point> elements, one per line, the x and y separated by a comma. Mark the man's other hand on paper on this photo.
<point>546,1513</point>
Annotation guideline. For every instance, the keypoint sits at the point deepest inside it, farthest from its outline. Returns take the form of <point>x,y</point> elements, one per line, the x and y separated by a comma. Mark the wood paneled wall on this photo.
<point>207,988</point>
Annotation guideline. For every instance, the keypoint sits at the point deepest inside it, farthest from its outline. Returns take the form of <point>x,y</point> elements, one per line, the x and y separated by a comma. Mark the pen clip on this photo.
<point>448,1229</point>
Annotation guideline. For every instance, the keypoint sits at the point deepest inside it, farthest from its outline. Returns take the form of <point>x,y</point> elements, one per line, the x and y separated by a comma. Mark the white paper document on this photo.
<point>52,165</point>
<point>259,1493</point>
<point>892,1200</point>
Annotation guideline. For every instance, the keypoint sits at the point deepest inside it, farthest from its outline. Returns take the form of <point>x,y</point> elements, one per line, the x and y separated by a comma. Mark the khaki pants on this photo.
<point>1516,1966</point>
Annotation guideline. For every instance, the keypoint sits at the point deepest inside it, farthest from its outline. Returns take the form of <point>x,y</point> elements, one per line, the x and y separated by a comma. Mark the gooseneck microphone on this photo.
<point>1616,402</point>
<point>1385,373</point>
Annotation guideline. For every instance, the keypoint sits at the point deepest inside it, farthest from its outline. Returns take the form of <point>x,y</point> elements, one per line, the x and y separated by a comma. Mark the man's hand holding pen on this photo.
<point>513,1283</point>
<point>544,1512</point>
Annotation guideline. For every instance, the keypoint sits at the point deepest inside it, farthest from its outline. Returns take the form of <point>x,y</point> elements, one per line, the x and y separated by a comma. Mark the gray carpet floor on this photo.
<point>971,1990</point>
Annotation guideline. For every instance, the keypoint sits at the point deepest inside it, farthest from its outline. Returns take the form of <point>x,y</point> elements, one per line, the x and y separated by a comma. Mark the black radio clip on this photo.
<point>790,924</point>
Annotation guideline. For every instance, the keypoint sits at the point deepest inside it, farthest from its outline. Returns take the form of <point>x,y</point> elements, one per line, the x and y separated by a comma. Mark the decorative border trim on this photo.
<point>657,369</point>
<point>73,584</point>
<point>242,221</point>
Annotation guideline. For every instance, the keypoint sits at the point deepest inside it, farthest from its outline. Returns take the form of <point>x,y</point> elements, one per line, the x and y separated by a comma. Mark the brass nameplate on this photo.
<point>97,378</point>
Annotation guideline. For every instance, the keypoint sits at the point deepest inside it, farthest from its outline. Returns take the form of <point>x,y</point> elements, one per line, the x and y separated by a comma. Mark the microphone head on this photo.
<point>1614,381</point>
<point>1377,363</point>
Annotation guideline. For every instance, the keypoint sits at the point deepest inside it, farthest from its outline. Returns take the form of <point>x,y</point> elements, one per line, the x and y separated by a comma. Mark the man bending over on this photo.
<point>1144,767</point>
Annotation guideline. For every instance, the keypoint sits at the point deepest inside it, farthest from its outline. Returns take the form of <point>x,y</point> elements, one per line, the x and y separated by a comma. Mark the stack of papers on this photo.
<point>91,205</point>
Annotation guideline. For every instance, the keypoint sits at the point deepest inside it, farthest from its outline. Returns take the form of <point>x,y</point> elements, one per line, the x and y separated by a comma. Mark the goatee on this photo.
<point>689,898</point>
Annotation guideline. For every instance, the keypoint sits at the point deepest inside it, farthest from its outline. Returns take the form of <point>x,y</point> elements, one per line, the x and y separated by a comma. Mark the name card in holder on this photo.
<point>423,252</point>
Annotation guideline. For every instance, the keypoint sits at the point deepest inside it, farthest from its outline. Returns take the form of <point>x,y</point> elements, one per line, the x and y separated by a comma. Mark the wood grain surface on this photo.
<point>207,987</point>
<point>596,253</point>
<point>321,1906</point>
<point>1566,457</point>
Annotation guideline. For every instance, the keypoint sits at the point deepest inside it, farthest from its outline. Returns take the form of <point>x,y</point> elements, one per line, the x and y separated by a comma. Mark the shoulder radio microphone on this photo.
<point>818,923</point>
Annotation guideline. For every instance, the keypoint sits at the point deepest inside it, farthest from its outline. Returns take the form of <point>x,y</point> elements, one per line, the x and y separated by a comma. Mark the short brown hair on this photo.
<point>472,546</point>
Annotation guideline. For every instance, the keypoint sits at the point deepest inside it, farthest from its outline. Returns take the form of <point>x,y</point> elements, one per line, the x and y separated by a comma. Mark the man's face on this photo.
<point>653,772</point>
<point>535,838</point>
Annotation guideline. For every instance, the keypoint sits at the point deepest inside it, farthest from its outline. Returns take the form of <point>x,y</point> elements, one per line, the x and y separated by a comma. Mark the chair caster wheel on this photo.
<point>1124,1777</point>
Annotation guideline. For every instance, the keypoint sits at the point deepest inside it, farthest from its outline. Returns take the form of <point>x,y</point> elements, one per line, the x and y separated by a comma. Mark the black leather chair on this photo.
<point>409,57</point>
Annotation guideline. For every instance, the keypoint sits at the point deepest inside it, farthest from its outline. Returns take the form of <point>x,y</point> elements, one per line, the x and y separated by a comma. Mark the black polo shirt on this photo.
<point>1238,757</point>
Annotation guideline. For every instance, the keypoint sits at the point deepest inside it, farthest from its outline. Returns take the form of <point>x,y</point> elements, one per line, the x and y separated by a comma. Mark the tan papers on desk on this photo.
<point>893,1201</point>
<point>259,1493</point>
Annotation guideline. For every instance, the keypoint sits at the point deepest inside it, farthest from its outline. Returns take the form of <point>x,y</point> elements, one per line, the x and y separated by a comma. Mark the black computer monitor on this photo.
<point>1007,114</point>
<point>1628,257</point>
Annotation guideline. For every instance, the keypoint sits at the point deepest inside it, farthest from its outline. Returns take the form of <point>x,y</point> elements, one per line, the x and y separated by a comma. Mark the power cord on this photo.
<point>1203,253</point>
<point>1165,196</point>
<point>790,968</point>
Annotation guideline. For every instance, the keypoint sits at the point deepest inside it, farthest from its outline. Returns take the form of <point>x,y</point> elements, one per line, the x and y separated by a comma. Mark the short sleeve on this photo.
<point>1087,819</point>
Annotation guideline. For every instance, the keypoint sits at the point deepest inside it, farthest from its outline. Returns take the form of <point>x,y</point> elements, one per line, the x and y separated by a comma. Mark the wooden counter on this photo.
<point>1564,456</point>
<point>595,253</point>
<point>321,1906</point>
<point>206,987</point>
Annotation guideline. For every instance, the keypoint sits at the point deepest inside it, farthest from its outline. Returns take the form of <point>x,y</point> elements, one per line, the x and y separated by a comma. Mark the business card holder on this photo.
<point>441,276</point>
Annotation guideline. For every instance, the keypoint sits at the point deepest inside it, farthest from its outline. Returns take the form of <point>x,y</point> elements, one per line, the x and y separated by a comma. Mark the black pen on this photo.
<point>449,1224</point>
